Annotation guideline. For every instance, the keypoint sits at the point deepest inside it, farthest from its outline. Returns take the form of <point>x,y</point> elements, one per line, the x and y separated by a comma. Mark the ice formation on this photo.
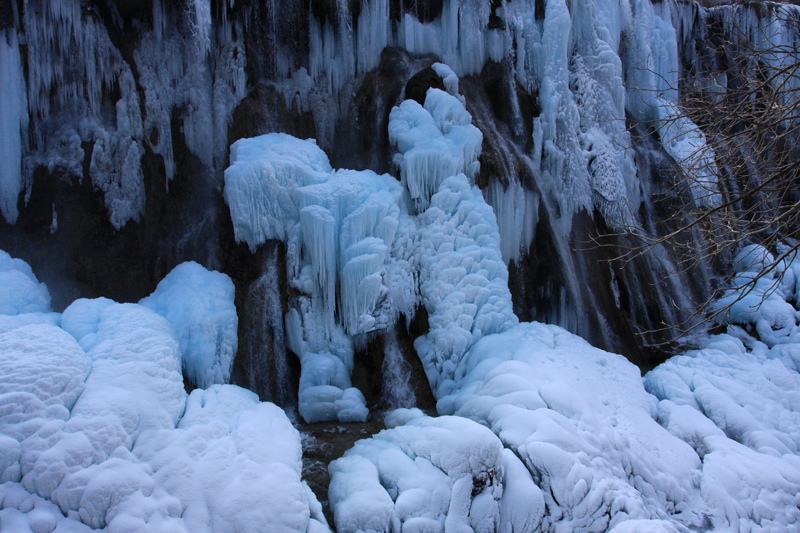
<point>199,305</point>
<point>347,237</point>
<point>434,143</point>
<point>13,123</point>
<point>71,55</point>
<point>97,432</point>
<point>20,291</point>
<point>463,279</point>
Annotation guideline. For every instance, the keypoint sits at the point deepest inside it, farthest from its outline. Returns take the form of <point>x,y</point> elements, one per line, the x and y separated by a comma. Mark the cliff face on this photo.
<point>118,117</point>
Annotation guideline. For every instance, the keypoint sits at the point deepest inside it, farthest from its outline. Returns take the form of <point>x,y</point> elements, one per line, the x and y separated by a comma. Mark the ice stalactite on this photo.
<point>88,97</point>
<point>13,123</point>
<point>517,212</point>
<point>652,70</point>
<point>346,233</point>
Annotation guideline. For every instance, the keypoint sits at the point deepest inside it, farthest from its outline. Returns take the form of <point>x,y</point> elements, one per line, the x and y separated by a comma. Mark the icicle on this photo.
<point>13,124</point>
<point>517,211</point>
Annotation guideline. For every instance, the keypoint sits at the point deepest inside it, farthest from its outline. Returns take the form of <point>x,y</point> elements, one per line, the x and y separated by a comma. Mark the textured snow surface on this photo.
<point>463,279</point>
<point>199,305</point>
<point>96,430</point>
<point>432,474</point>
<point>740,411</point>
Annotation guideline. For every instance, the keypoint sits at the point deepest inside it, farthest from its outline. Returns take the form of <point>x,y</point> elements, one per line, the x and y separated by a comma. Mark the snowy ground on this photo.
<point>580,442</point>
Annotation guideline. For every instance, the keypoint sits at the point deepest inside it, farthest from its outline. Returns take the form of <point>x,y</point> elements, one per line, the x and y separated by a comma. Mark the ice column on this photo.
<point>463,279</point>
<point>340,230</point>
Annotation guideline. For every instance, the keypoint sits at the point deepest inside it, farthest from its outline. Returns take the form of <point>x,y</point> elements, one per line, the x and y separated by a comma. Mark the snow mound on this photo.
<point>234,464</point>
<point>200,306</point>
<point>580,419</point>
<point>432,474</point>
<point>134,386</point>
<point>753,258</point>
<point>757,302</point>
<point>740,410</point>
<point>97,433</point>
<point>20,291</point>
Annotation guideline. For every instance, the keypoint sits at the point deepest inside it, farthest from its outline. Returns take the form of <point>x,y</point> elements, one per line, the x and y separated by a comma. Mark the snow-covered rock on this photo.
<point>20,290</point>
<point>200,306</point>
<point>97,432</point>
<point>432,474</point>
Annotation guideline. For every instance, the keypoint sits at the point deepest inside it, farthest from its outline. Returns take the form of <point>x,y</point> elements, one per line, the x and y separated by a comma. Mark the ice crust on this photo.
<point>200,306</point>
<point>97,432</point>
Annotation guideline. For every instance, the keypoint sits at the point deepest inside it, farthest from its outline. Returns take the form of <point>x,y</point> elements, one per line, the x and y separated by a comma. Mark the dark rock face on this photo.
<point>6,14</point>
<point>362,135</point>
<point>417,87</point>
<point>263,364</point>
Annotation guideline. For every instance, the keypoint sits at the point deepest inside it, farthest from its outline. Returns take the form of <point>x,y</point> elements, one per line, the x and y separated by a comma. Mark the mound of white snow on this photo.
<point>20,291</point>
<point>432,474</point>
